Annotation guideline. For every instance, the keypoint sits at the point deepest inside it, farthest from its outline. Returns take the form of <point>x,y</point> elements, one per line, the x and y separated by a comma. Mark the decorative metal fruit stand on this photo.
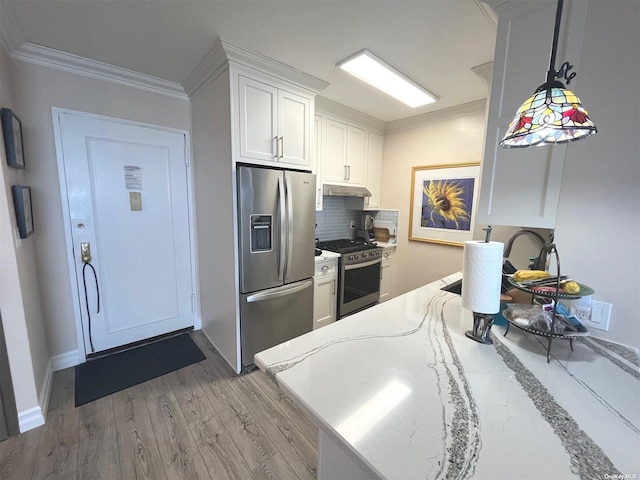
<point>555,295</point>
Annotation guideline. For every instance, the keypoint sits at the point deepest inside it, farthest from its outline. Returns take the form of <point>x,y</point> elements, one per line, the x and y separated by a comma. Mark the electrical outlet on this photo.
<point>582,313</point>
<point>600,315</point>
<point>352,224</point>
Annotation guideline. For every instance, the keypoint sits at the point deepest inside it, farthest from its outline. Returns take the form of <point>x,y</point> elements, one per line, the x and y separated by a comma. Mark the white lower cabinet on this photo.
<point>386,273</point>
<point>325,289</point>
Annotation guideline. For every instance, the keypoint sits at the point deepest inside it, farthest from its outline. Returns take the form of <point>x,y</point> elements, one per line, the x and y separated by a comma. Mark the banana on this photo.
<point>522,275</point>
<point>570,287</point>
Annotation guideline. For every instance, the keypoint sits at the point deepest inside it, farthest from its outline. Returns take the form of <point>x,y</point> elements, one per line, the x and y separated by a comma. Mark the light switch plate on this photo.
<point>16,237</point>
<point>135,200</point>
<point>600,315</point>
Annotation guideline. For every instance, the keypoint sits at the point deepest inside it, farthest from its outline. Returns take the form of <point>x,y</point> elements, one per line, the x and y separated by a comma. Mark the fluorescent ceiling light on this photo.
<point>376,72</point>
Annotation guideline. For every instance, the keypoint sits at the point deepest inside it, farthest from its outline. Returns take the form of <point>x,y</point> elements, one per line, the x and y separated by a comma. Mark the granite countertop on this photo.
<point>407,395</point>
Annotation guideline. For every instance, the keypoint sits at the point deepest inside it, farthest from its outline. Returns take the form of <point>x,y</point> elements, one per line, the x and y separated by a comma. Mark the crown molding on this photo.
<point>15,47</point>
<point>225,51</point>
<point>10,37</point>
<point>501,6</point>
<point>484,71</point>
<point>329,106</point>
<point>49,57</point>
<point>212,65</point>
<point>479,106</point>
<point>486,9</point>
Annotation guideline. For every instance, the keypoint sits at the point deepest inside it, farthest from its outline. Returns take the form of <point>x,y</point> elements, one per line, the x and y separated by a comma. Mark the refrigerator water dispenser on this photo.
<point>261,227</point>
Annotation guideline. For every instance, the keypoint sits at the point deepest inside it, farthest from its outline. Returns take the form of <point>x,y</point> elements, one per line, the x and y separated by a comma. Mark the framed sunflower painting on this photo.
<point>443,203</point>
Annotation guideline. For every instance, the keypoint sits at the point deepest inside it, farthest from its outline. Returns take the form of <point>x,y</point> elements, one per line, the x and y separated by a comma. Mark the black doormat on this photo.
<point>104,376</point>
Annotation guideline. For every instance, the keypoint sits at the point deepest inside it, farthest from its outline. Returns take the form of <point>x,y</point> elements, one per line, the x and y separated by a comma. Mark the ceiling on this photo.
<point>435,42</point>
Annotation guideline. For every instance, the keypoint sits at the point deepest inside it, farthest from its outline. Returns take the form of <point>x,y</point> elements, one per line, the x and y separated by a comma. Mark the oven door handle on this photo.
<point>362,265</point>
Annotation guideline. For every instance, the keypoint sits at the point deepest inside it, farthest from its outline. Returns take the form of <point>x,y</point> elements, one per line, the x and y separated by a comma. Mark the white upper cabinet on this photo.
<point>349,149</point>
<point>275,123</point>
<point>345,153</point>
<point>295,128</point>
<point>258,120</point>
<point>374,170</point>
<point>316,157</point>
<point>521,187</point>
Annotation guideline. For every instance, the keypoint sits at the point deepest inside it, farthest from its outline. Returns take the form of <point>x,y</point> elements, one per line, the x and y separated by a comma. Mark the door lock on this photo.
<point>85,252</point>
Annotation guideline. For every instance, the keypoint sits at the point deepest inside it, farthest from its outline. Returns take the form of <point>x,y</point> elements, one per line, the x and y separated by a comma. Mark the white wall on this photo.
<point>458,139</point>
<point>37,89</point>
<point>449,136</point>
<point>598,224</point>
<point>213,171</point>
<point>19,295</point>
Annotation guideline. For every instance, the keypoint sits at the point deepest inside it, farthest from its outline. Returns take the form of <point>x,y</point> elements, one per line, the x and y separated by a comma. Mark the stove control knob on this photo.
<point>351,258</point>
<point>364,255</point>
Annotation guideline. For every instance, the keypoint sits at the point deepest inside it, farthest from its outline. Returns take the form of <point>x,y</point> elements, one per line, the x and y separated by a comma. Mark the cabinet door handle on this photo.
<point>348,172</point>
<point>281,147</point>
<point>345,172</point>
<point>325,268</point>
<point>275,147</point>
<point>333,287</point>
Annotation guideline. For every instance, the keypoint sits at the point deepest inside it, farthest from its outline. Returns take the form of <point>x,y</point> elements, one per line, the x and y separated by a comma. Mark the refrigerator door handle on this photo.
<point>279,292</point>
<point>289,223</point>
<point>283,228</point>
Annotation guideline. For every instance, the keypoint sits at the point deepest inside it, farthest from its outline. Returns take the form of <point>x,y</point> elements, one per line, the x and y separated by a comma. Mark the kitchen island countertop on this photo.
<point>398,391</point>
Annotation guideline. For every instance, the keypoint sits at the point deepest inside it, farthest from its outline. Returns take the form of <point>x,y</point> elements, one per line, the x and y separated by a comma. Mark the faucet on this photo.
<point>539,263</point>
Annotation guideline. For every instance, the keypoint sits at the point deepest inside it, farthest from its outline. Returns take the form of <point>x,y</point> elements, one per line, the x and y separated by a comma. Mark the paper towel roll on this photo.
<point>482,276</point>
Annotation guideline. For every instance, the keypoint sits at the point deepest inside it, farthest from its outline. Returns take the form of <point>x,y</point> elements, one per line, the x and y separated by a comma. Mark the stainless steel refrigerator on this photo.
<point>276,222</point>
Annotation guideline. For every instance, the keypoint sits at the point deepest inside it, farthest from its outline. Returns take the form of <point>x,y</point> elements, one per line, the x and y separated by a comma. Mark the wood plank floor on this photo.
<point>200,422</point>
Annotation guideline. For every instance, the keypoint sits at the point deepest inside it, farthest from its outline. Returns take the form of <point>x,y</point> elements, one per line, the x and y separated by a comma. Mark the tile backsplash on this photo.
<point>334,219</point>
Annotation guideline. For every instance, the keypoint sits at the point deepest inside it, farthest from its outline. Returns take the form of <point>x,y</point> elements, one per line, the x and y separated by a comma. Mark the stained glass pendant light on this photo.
<point>552,114</point>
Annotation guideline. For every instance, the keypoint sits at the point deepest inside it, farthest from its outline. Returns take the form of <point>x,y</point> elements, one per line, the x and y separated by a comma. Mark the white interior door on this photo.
<point>127,193</point>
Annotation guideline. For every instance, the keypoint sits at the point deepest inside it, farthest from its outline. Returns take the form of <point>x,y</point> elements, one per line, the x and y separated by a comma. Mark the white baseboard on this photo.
<point>66,360</point>
<point>45,390</point>
<point>36,416</point>
<point>30,419</point>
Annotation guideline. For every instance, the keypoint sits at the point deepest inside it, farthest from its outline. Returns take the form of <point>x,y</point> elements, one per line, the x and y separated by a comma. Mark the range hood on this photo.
<point>345,191</point>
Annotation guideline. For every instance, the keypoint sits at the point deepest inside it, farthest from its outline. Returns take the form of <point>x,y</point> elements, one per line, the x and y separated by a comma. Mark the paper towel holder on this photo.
<point>482,322</point>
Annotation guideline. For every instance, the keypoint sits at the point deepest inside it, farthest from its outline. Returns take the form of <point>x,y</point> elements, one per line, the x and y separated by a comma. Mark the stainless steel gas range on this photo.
<point>359,274</point>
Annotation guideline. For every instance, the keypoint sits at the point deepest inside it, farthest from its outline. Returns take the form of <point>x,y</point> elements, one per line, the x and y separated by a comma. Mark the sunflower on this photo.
<point>444,198</point>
